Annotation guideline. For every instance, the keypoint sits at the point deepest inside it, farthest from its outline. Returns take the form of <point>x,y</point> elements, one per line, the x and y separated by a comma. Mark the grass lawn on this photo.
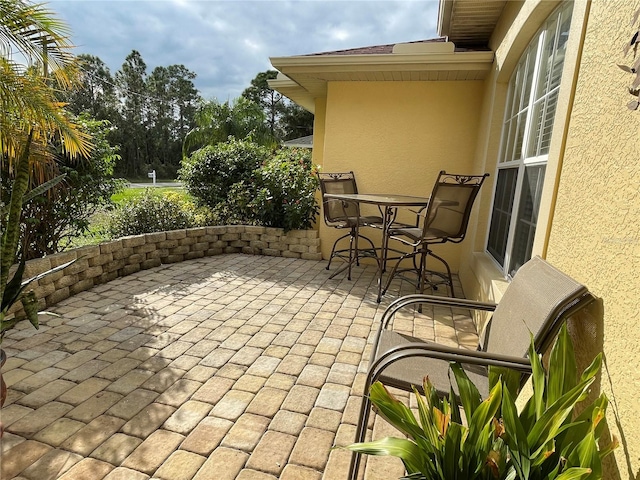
<point>130,193</point>
<point>98,225</point>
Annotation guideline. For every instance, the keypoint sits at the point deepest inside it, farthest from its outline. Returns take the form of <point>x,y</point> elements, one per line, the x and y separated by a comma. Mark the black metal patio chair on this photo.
<point>342,214</point>
<point>536,302</point>
<point>444,220</point>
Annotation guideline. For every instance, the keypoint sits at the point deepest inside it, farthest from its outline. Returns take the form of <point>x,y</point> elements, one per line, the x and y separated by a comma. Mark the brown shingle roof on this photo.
<point>383,49</point>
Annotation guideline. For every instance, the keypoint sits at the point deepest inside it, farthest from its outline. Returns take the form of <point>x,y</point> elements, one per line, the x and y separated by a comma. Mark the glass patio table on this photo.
<point>389,204</point>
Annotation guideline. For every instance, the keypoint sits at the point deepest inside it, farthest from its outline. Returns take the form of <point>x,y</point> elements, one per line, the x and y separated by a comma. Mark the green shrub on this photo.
<point>285,187</point>
<point>243,184</point>
<point>155,212</point>
<point>210,173</point>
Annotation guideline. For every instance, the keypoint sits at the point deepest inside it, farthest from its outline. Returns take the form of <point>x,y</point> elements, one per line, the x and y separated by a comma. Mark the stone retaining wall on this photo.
<point>98,264</point>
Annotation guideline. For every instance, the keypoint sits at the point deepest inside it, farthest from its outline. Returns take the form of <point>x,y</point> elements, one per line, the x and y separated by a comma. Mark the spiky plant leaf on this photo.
<point>539,381</point>
<point>406,450</point>
<point>589,419</point>
<point>515,436</point>
<point>574,473</point>
<point>468,392</point>
<point>30,305</point>
<point>452,453</point>
<point>510,378</point>
<point>13,288</point>
<point>394,411</point>
<point>456,408</point>
<point>40,189</point>
<point>485,413</point>
<point>585,455</point>
<point>563,373</point>
<point>549,424</point>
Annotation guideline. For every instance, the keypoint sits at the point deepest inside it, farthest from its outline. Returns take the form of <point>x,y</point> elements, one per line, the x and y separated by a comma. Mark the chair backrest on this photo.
<point>537,301</point>
<point>447,215</point>
<point>337,211</point>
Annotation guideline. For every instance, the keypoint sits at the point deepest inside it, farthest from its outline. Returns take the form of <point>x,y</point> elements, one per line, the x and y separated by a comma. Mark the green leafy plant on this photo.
<point>243,183</point>
<point>210,173</point>
<point>282,192</point>
<point>154,212</point>
<point>491,439</point>
<point>51,221</point>
<point>218,122</point>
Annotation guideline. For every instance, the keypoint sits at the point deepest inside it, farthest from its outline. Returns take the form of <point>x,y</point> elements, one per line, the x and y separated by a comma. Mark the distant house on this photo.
<point>529,92</point>
<point>301,142</point>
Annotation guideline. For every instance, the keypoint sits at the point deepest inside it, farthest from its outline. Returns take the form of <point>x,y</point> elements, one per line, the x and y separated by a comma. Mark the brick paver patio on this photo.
<point>225,367</point>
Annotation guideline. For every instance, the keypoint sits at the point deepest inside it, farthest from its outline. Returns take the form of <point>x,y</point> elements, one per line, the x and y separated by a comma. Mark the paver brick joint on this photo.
<point>231,366</point>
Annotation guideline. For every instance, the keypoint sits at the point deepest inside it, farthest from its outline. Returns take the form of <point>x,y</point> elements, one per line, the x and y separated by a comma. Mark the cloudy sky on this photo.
<point>227,42</point>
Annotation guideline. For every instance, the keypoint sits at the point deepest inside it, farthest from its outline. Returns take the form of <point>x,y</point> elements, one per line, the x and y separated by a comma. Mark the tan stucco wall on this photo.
<point>590,214</point>
<point>595,235</point>
<point>317,153</point>
<point>396,137</point>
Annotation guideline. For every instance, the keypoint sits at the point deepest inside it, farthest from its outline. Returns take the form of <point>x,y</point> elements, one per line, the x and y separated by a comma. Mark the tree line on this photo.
<point>151,114</point>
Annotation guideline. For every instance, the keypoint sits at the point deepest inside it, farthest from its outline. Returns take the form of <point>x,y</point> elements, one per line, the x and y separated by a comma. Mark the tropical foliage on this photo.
<point>218,122</point>
<point>30,117</point>
<point>53,220</point>
<point>491,439</point>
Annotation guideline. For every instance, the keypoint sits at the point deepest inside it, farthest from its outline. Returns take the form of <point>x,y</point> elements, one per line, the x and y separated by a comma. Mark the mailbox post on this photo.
<point>152,175</point>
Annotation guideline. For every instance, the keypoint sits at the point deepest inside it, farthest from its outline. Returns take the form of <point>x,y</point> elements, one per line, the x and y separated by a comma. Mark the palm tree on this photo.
<point>216,122</point>
<point>30,117</point>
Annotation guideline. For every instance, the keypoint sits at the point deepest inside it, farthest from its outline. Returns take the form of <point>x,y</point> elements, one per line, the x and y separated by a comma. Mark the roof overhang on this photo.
<point>304,78</point>
<point>469,22</point>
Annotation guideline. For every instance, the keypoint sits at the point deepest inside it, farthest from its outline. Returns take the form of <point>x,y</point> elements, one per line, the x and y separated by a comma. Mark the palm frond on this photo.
<point>35,32</point>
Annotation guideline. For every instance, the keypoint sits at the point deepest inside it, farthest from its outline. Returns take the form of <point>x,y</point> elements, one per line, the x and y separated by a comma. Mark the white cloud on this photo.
<point>226,43</point>
<point>340,34</point>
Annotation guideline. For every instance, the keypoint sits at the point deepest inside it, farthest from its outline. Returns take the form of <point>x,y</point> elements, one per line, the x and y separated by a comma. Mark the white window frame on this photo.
<point>508,122</point>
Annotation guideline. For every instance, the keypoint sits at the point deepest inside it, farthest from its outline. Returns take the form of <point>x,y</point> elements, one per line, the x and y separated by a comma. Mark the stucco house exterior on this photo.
<point>529,92</point>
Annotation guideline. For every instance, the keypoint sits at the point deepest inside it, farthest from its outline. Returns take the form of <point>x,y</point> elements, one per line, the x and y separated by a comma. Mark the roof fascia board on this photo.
<point>445,8</point>
<point>356,62</point>
<point>294,91</point>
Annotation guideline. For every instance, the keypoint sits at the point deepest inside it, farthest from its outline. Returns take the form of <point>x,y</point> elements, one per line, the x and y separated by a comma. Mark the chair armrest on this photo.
<point>343,205</point>
<point>418,213</point>
<point>423,299</point>
<point>446,353</point>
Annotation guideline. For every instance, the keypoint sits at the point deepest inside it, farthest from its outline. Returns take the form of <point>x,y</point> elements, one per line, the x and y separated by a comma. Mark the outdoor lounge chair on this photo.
<point>346,215</point>
<point>444,220</point>
<point>536,302</point>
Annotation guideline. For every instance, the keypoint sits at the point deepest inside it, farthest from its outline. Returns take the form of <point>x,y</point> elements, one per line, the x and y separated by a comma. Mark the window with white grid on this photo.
<point>526,136</point>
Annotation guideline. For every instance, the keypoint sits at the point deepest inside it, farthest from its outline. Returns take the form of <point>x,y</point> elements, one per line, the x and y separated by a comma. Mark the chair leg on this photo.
<point>361,431</point>
<point>395,269</point>
<point>333,250</point>
<point>422,269</point>
<point>446,265</point>
<point>350,256</point>
<point>353,247</point>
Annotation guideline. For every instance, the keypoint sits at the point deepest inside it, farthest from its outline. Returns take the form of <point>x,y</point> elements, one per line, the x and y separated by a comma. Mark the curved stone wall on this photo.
<point>98,264</point>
